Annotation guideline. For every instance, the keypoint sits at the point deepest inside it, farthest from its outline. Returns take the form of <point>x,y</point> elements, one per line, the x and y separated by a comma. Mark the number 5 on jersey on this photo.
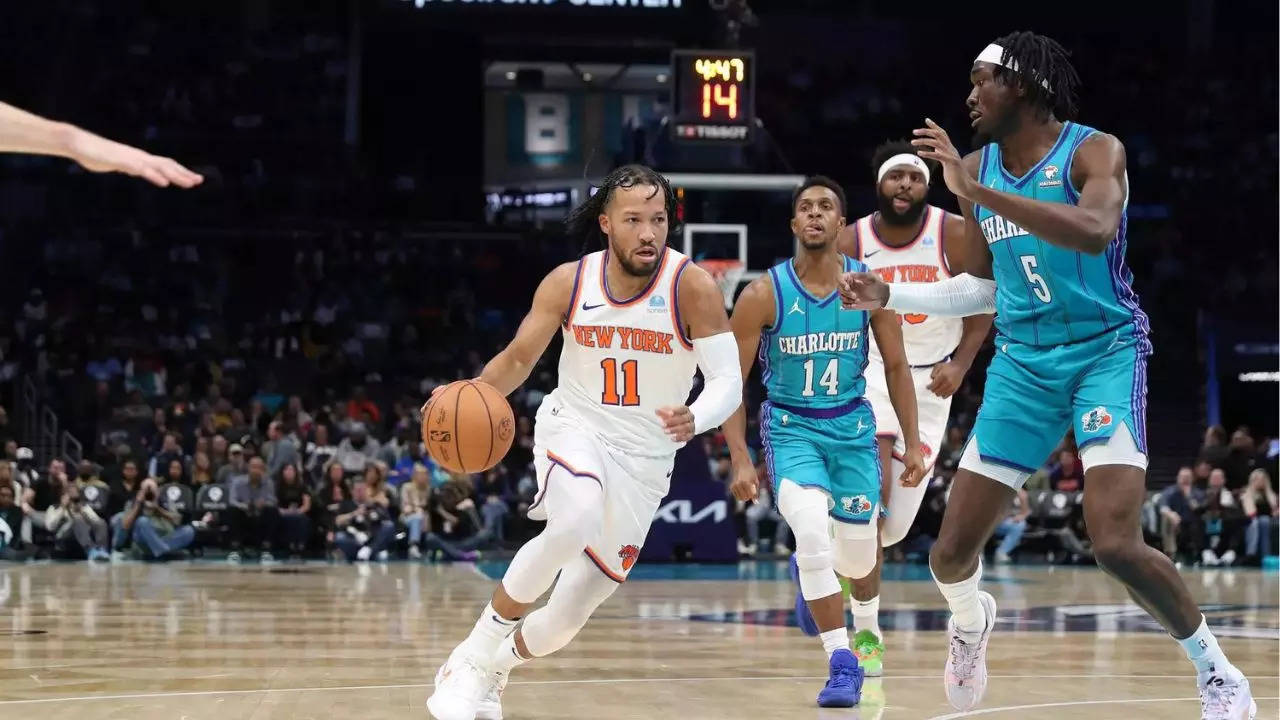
<point>630,385</point>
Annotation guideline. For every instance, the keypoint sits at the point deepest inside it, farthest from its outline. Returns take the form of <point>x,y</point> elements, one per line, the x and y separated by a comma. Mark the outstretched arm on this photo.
<point>701,303</point>
<point>511,367</point>
<point>1089,226</point>
<point>972,292</point>
<point>947,377</point>
<point>751,314</point>
<point>902,391</point>
<point>23,132</point>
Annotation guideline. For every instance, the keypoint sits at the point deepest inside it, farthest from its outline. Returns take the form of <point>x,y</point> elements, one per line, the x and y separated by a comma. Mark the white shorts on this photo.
<point>931,411</point>
<point>633,486</point>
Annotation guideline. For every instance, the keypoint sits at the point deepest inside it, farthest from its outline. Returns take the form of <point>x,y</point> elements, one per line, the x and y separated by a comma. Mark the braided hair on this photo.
<point>1044,72</point>
<point>583,221</point>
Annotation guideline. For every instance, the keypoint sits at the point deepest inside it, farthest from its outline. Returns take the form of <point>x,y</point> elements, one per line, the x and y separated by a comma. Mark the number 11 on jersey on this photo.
<point>630,384</point>
<point>830,377</point>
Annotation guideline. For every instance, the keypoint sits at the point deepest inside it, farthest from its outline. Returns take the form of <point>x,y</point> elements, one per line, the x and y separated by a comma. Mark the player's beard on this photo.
<point>893,217</point>
<point>632,269</point>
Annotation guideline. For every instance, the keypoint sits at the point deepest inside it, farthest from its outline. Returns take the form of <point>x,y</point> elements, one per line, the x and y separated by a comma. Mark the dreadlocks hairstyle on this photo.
<point>889,148</point>
<point>819,181</point>
<point>584,221</point>
<point>1044,71</point>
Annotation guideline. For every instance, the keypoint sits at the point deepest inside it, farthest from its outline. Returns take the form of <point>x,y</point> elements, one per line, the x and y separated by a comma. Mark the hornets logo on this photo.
<point>1095,419</point>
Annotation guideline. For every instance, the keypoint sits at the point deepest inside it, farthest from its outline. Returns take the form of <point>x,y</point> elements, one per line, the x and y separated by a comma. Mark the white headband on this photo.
<point>993,54</point>
<point>903,159</point>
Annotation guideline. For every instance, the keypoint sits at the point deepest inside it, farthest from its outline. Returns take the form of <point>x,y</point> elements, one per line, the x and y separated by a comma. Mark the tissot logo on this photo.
<point>680,512</point>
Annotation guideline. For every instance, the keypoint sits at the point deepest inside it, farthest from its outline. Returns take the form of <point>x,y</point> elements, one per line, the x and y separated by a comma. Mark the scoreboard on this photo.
<point>713,96</point>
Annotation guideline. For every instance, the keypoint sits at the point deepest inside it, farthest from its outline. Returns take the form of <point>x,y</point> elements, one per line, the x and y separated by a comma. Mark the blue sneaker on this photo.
<point>804,618</point>
<point>844,688</point>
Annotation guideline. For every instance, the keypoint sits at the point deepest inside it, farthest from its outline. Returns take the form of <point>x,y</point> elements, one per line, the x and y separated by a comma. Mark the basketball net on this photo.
<point>727,273</point>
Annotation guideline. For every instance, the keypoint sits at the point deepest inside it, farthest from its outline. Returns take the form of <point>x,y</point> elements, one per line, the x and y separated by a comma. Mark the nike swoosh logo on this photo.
<point>873,252</point>
<point>591,307</point>
<point>503,621</point>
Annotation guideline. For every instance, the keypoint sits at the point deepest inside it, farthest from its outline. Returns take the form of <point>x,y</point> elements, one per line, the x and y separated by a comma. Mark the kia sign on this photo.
<point>695,520</point>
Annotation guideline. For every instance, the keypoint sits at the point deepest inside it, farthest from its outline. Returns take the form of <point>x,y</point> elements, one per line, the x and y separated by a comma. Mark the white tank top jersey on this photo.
<point>624,359</point>
<point>927,339</point>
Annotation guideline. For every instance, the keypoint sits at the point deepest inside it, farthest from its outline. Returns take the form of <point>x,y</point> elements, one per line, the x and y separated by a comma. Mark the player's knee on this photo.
<point>1116,553</point>
<point>570,532</point>
<point>855,559</point>
<point>947,558</point>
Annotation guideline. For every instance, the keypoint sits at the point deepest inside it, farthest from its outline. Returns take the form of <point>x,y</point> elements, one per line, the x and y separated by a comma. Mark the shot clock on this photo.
<point>713,95</point>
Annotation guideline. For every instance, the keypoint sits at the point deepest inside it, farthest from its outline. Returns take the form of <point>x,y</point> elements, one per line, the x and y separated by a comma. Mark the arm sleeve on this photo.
<point>722,390</point>
<point>959,296</point>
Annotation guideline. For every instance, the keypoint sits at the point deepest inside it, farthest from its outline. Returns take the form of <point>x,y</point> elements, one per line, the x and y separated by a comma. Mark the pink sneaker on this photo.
<point>965,677</point>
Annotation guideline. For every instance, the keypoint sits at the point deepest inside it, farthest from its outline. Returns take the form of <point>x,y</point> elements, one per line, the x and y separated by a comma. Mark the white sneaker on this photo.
<point>233,557</point>
<point>461,683</point>
<point>745,549</point>
<point>1229,557</point>
<point>364,553</point>
<point>1003,558</point>
<point>415,552</point>
<point>490,707</point>
<point>118,556</point>
<point>965,675</point>
<point>266,558</point>
<point>1224,700</point>
<point>383,556</point>
<point>1209,558</point>
<point>782,551</point>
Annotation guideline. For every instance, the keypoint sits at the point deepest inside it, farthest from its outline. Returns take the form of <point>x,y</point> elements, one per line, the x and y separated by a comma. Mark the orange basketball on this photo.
<point>468,427</point>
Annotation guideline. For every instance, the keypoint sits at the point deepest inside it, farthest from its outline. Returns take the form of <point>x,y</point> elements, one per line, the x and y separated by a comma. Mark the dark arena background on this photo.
<point>385,183</point>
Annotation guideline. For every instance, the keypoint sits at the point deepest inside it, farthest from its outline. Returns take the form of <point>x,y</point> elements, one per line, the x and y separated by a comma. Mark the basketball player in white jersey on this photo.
<point>908,240</point>
<point>637,320</point>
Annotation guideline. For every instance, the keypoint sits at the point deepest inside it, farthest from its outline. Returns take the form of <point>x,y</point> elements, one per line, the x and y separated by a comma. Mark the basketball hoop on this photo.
<point>727,273</point>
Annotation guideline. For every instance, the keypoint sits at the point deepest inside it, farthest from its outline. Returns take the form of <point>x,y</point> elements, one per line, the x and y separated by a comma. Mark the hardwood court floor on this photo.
<point>205,641</point>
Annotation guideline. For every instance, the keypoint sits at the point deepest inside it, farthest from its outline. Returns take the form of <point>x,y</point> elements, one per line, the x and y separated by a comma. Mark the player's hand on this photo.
<point>98,154</point>
<point>745,485</point>
<point>935,144</point>
<point>677,421</point>
<point>914,471</point>
<point>945,379</point>
<point>422,411</point>
<point>863,291</point>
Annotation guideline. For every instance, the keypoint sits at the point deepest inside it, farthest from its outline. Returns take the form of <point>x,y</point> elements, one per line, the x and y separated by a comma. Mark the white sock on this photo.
<point>1203,652</point>
<point>507,658</point>
<point>866,615</point>
<point>962,597</point>
<point>833,640</point>
<point>489,632</point>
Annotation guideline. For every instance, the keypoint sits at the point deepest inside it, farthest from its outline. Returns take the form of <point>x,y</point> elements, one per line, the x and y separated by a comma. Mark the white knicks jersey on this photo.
<point>624,359</point>
<point>928,339</point>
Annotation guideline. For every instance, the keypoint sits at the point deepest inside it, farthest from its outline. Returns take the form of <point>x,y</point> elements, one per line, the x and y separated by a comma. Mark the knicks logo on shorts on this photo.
<point>1095,419</point>
<point>628,553</point>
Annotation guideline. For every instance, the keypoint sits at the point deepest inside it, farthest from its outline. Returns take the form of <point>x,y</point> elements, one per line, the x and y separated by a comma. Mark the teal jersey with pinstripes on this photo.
<point>1048,295</point>
<point>815,353</point>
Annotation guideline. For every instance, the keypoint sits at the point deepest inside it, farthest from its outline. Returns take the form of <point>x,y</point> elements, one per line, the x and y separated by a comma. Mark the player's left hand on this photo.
<point>945,378</point>
<point>914,471</point>
<point>98,154</point>
<point>677,420</point>
<point>935,144</point>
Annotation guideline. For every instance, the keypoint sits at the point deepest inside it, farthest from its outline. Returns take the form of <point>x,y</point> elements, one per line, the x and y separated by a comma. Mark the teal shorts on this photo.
<point>1035,394</point>
<point>830,449</point>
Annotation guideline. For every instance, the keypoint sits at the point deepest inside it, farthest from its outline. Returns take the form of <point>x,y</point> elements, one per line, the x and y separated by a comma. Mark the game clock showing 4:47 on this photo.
<point>712,96</point>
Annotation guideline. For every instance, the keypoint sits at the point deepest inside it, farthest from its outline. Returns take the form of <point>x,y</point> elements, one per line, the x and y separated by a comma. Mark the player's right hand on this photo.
<point>913,471</point>
<point>863,291</point>
<point>745,485</point>
<point>422,411</point>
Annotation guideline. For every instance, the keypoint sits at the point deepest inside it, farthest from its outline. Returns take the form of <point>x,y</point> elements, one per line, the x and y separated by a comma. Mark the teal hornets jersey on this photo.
<point>1045,294</point>
<point>815,353</point>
